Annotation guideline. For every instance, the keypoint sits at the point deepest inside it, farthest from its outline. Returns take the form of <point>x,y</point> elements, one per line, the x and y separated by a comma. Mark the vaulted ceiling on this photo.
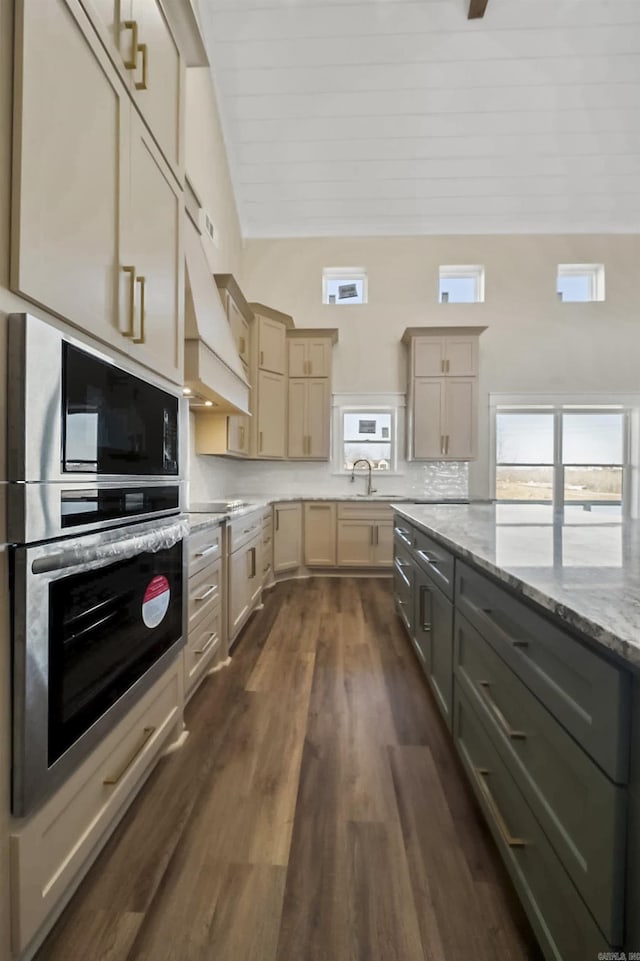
<point>361,117</point>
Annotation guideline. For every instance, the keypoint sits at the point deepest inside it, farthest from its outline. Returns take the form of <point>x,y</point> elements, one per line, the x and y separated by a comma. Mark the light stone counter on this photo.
<point>586,571</point>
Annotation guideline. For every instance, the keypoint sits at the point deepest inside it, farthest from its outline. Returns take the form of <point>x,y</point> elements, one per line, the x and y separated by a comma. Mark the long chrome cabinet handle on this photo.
<point>485,690</point>
<point>424,625</point>
<point>207,647</point>
<point>208,550</point>
<point>147,734</point>
<point>482,773</point>
<point>211,590</point>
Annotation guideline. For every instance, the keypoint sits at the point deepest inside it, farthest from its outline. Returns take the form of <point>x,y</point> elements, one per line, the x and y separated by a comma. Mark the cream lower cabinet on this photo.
<point>444,418</point>
<point>320,535</point>
<point>245,575</point>
<point>205,591</point>
<point>287,537</point>
<point>364,536</point>
<point>54,848</point>
<point>267,546</point>
<point>309,417</point>
<point>271,415</point>
<point>96,234</point>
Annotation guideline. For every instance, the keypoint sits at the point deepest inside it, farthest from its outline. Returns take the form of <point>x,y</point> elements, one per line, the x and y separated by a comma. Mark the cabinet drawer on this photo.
<point>403,530</point>
<point>205,546</point>
<point>205,590</point>
<point>243,529</point>
<point>366,511</point>
<point>581,812</point>
<point>55,847</point>
<point>564,927</point>
<point>587,694</point>
<point>202,646</point>
<point>436,561</point>
<point>403,584</point>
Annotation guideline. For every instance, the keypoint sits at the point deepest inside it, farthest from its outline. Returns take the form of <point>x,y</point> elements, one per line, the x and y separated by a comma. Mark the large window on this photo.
<point>569,459</point>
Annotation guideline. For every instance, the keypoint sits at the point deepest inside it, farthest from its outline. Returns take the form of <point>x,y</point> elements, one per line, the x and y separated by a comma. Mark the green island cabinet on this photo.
<point>548,732</point>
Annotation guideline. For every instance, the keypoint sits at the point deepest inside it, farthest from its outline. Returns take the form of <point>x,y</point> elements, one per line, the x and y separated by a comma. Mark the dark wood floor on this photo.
<point>317,812</point>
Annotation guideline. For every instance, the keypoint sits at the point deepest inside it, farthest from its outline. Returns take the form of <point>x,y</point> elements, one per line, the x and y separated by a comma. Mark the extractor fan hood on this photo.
<point>213,370</point>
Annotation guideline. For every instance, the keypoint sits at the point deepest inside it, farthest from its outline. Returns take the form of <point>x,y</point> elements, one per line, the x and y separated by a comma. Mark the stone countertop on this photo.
<point>585,571</point>
<point>199,511</point>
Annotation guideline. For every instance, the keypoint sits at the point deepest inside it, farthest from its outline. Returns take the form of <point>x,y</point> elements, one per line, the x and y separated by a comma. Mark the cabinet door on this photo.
<point>460,416</point>
<point>319,357</point>
<point>238,434</point>
<point>238,591</point>
<point>461,356</point>
<point>298,357</point>
<point>320,535</point>
<point>272,346</point>
<point>433,631</point>
<point>355,543</point>
<point>297,418</point>
<point>318,412</point>
<point>253,558</point>
<point>239,328</point>
<point>271,415</point>
<point>383,546</point>
<point>428,356</point>
<point>71,122</point>
<point>287,537</point>
<point>428,419</point>
<point>154,248</point>
<point>109,17</point>
<point>156,81</point>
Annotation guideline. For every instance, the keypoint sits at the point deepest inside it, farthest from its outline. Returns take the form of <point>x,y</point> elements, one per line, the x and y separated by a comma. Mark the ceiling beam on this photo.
<point>477,9</point>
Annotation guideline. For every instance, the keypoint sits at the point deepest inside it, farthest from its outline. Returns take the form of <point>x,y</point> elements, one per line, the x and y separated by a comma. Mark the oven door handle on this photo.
<point>107,552</point>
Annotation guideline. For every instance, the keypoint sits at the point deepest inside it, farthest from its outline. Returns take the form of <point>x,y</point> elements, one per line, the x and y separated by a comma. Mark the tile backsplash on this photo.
<point>212,478</point>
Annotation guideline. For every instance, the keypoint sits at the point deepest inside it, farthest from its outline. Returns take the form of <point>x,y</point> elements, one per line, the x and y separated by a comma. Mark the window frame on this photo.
<point>362,409</point>
<point>475,272</point>
<point>596,275</point>
<point>558,466</point>
<point>344,274</point>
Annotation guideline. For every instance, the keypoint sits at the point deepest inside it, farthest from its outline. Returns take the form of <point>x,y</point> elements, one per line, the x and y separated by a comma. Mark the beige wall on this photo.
<point>533,342</point>
<point>208,170</point>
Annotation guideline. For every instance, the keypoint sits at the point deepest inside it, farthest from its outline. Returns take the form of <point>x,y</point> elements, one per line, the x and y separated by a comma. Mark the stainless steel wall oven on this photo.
<point>97,560</point>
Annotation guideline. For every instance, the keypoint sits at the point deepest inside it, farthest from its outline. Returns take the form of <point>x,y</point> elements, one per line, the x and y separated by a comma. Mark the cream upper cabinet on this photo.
<point>71,109</point>
<point>154,248</point>
<point>309,416</point>
<point>140,43</point>
<point>272,350</point>
<point>450,356</point>
<point>238,434</point>
<point>320,535</point>
<point>287,537</point>
<point>97,228</point>
<point>239,327</point>
<point>271,416</point>
<point>442,392</point>
<point>310,356</point>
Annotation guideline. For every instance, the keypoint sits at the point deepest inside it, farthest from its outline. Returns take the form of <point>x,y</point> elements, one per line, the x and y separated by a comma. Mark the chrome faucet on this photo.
<point>362,460</point>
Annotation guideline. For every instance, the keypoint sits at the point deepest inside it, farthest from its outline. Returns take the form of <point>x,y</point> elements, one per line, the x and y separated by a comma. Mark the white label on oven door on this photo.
<point>155,602</point>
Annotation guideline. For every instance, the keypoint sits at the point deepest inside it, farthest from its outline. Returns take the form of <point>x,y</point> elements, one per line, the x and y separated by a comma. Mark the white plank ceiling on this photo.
<point>386,117</point>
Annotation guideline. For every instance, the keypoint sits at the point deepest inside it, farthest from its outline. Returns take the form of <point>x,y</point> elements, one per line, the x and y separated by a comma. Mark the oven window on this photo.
<point>107,627</point>
<point>113,422</point>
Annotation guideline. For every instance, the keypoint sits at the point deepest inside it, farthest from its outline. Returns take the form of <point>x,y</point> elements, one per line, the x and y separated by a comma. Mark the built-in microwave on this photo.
<point>91,444</point>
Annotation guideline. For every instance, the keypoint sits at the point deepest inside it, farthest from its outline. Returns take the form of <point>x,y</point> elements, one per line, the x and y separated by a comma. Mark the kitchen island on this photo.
<point>528,633</point>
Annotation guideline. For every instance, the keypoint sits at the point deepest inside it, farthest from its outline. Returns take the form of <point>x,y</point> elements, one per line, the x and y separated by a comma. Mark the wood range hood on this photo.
<point>213,370</point>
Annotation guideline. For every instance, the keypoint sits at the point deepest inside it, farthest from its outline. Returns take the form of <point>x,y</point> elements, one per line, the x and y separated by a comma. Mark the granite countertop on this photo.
<point>585,572</point>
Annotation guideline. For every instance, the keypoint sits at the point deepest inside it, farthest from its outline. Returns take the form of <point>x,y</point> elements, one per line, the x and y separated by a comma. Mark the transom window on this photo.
<point>461,285</point>
<point>574,460</point>
<point>344,285</point>
<point>580,283</point>
<point>368,434</point>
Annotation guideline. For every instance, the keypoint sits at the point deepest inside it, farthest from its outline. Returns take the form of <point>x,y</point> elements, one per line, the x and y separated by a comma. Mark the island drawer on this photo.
<point>243,529</point>
<point>586,693</point>
<point>580,810</point>
<point>205,590</point>
<point>403,584</point>
<point>204,546</point>
<point>435,560</point>
<point>561,920</point>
